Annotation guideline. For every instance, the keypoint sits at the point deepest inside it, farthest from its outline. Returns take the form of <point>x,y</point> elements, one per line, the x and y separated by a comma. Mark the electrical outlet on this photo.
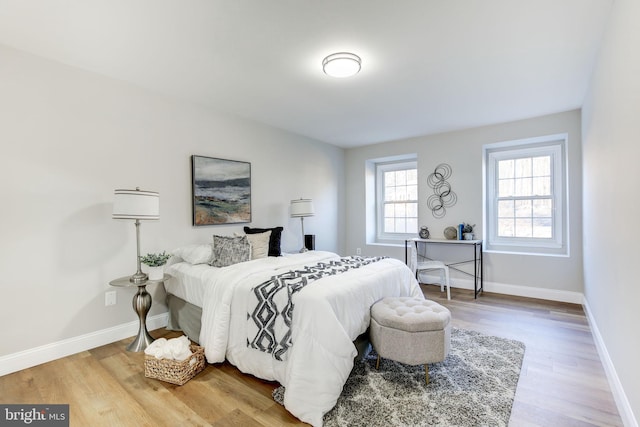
<point>358,251</point>
<point>110,298</point>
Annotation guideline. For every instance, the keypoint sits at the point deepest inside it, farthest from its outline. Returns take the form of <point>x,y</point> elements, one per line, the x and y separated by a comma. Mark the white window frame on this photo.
<point>380,169</point>
<point>552,145</point>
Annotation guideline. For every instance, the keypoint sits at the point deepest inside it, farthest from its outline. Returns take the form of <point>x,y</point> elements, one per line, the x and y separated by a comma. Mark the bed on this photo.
<point>219,307</point>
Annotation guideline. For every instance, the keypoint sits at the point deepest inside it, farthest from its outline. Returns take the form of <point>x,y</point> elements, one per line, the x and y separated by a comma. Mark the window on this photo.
<point>396,200</point>
<point>525,195</point>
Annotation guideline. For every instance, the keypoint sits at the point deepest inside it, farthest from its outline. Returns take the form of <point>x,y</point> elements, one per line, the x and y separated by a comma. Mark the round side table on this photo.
<point>141,305</point>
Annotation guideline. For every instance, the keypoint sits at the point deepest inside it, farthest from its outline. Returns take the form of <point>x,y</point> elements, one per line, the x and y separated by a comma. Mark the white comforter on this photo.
<point>328,315</point>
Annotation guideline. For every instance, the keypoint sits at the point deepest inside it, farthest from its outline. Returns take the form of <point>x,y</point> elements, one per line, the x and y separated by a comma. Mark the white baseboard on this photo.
<point>516,290</point>
<point>46,353</point>
<point>530,292</point>
<point>624,407</point>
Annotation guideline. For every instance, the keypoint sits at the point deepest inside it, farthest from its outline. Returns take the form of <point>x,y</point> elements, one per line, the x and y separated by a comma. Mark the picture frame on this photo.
<point>221,191</point>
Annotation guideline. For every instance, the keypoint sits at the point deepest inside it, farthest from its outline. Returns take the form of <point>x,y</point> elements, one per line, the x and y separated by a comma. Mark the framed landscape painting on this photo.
<point>221,191</point>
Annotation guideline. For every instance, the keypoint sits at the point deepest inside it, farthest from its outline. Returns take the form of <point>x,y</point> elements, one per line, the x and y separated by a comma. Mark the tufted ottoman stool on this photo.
<point>411,331</point>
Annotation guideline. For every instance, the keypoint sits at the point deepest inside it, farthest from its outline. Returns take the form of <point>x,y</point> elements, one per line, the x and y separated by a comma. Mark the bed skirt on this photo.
<point>184,316</point>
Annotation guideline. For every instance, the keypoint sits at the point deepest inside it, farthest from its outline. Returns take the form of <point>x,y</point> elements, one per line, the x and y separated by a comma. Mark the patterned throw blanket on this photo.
<point>269,324</point>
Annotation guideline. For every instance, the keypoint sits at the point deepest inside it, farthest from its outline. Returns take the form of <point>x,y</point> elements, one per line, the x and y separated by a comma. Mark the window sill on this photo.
<point>390,244</point>
<point>522,252</point>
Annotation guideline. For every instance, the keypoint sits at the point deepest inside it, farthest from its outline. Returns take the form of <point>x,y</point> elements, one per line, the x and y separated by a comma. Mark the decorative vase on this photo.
<point>467,236</point>
<point>424,232</point>
<point>156,273</point>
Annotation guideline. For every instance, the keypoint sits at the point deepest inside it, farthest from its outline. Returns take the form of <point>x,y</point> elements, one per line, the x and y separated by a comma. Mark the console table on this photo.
<point>474,245</point>
<point>141,305</point>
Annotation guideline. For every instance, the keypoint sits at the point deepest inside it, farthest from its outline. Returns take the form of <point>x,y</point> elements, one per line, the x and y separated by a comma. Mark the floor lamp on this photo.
<point>138,205</point>
<point>302,208</point>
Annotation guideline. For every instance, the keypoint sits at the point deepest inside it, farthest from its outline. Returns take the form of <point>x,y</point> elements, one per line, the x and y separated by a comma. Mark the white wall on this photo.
<point>611,148</point>
<point>557,278</point>
<point>69,138</point>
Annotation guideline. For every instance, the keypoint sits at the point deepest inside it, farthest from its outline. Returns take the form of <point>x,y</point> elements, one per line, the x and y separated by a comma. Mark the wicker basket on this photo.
<point>174,371</point>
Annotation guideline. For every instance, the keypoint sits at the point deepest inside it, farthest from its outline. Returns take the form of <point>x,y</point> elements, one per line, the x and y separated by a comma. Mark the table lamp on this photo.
<point>302,208</point>
<point>138,205</point>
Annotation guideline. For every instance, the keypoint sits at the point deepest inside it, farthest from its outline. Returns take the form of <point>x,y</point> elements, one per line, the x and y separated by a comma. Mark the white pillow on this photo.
<point>195,254</point>
<point>259,244</point>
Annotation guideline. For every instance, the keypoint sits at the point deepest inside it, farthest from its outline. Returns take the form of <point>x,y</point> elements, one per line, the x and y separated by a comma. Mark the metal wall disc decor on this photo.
<point>450,233</point>
<point>443,196</point>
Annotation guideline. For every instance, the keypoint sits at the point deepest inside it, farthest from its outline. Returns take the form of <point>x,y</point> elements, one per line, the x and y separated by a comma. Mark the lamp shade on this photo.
<point>136,204</point>
<point>301,208</point>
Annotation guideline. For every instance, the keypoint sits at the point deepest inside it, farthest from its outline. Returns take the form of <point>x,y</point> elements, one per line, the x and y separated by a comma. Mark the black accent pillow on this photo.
<point>274,240</point>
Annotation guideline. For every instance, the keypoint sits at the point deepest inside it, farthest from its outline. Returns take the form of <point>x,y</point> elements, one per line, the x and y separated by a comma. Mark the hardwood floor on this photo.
<point>562,381</point>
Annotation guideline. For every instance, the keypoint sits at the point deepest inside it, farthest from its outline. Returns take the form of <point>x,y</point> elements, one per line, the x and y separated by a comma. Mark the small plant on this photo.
<point>155,260</point>
<point>468,228</point>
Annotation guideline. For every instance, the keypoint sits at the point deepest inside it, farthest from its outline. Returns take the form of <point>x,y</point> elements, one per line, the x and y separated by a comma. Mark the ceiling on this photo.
<point>428,66</point>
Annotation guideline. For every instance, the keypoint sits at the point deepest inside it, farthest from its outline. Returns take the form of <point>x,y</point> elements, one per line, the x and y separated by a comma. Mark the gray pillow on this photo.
<point>229,250</point>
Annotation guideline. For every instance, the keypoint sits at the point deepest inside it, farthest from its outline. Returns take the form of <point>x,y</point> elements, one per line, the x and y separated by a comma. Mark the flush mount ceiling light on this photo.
<point>341,64</point>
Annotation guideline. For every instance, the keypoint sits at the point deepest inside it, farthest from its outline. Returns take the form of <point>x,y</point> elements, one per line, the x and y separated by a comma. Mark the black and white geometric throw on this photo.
<point>270,308</point>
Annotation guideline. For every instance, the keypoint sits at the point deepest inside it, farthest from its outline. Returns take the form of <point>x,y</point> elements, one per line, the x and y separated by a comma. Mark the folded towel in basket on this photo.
<point>174,348</point>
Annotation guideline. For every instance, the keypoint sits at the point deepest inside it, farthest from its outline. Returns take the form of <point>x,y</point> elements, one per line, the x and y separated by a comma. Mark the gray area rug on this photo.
<point>474,386</point>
